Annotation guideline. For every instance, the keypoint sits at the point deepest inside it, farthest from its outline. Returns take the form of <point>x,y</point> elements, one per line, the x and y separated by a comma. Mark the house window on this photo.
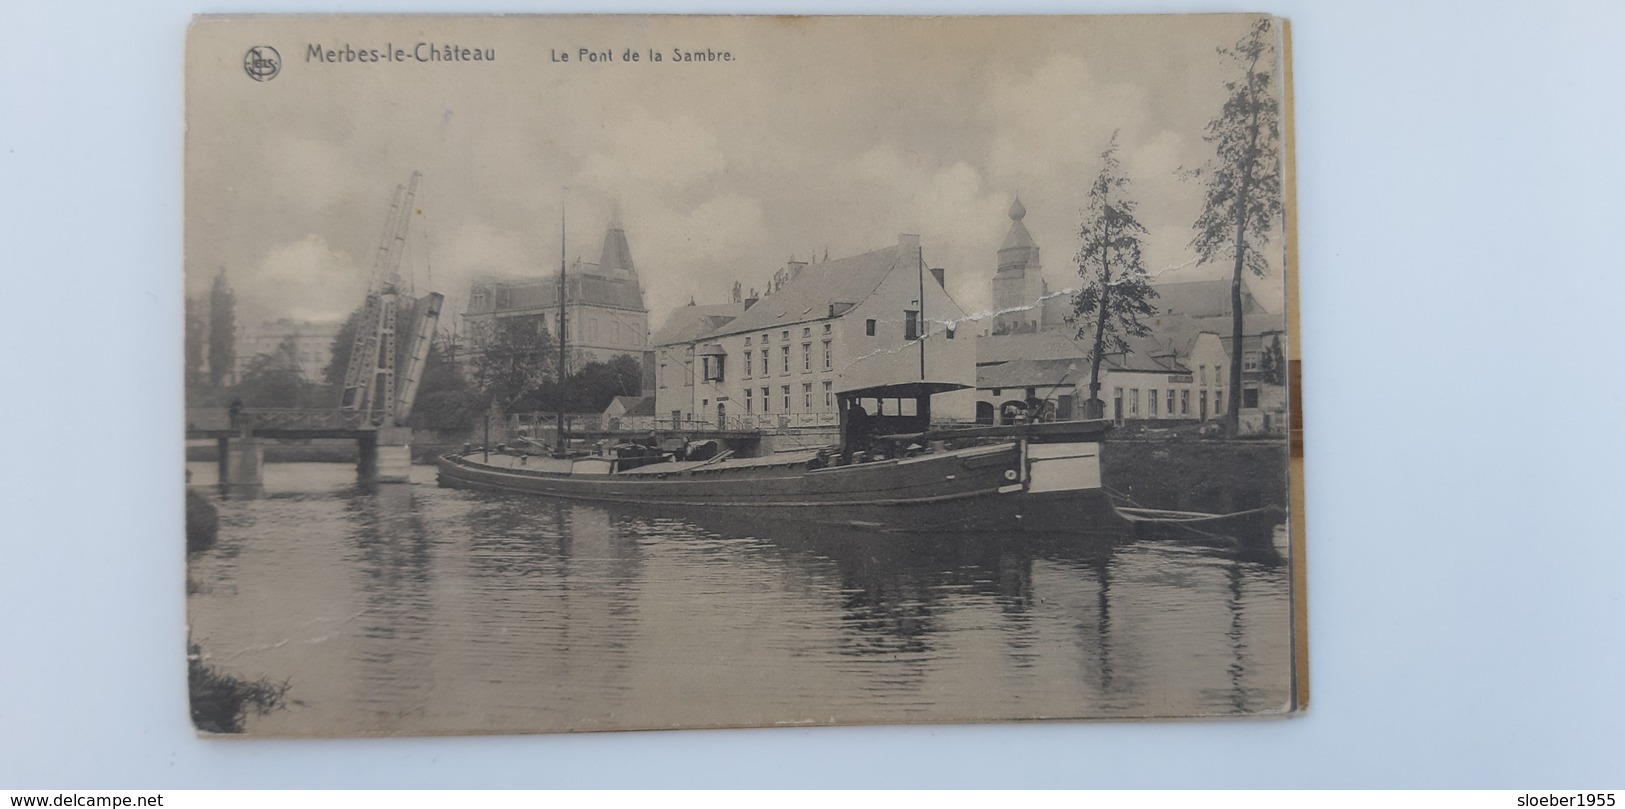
<point>1203,369</point>
<point>827,327</point>
<point>785,336</point>
<point>1218,374</point>
<point>663,374</point>
<point>1134,402</point>
<point>747,339</point>
<point>784,354</point>
<point>1170,401</point>
<point>764,362</point>
<point>806,357</point>
<point>1249,361</point>
<point>1184,403</point>
<point>869,327</point>
<point>828,356</point>
<point>764,338</point>
<point>712,367</point>
<point>1218,401</point>
<point>748,406</point>
<point>765,406</point>
<point>829,394</point>
<point>806,395</point>
<point>786,398</point>
<point>1249,397</point>
<point>806,331</point>
<point>1117,404</point>
<point>747,358</point>
<point>911,324</point>
<point>1151,403</point>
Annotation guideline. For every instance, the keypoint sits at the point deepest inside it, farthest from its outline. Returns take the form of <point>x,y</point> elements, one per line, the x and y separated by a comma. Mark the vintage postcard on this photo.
<point>603,373</point>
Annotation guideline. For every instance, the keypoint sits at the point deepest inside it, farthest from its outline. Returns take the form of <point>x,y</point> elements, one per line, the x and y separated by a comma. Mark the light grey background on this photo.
<point>1460,172</point>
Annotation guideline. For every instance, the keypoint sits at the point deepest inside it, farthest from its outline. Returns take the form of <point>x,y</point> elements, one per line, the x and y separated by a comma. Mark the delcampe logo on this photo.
<point>262,63</point>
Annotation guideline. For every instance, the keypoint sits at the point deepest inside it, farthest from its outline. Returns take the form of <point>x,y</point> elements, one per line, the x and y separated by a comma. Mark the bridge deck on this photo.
<point>278,423</point>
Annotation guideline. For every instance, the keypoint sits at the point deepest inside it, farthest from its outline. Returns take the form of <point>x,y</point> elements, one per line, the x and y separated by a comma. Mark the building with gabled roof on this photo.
<point>604,308</point>
<point>875,318</point>
<point>1209,298</point>
<point>1162,380</point>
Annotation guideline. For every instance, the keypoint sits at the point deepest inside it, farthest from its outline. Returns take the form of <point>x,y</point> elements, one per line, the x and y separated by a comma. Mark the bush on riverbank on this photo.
<point>220,702</point>
<point>202,523</point>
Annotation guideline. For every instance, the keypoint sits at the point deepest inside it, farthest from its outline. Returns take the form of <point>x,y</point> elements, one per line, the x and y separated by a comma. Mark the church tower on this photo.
<point>1018,284</point>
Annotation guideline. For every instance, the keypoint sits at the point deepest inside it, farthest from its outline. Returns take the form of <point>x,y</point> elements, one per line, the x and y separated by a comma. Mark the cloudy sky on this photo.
<point>820,133</point>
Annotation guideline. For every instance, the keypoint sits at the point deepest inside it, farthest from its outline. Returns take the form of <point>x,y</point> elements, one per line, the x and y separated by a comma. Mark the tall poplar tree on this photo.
<point>1116,290</point>
<point>194,346</point>
<point>222,330</point>
<point>1243,182</point>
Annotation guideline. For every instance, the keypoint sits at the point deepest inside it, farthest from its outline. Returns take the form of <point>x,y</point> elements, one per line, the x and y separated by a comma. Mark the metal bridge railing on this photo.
<point>266,419</point>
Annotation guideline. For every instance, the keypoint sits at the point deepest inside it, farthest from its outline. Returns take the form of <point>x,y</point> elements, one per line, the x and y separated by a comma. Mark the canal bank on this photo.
<point>1201,474</point>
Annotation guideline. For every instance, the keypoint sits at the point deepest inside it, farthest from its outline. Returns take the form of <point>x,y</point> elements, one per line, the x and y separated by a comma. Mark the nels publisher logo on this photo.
<point>262,63</point>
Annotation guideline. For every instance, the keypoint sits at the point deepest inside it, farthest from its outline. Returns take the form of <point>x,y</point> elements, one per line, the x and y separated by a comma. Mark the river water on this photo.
<point>416,609</point>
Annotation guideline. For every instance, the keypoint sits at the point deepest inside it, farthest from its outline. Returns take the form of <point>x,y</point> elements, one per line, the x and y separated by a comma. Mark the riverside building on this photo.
<point>604,307</point>
<point>779,362</point>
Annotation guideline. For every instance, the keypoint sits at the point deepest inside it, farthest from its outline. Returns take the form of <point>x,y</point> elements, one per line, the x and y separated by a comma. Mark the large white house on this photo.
<point>849,324</point>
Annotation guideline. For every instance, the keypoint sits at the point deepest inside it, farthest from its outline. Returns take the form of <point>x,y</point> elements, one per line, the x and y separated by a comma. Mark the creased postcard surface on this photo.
<point>596,373</point>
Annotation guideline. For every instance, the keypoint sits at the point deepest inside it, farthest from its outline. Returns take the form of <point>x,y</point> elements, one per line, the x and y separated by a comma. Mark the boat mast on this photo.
<point>920,326</point>
<point>559,446</point>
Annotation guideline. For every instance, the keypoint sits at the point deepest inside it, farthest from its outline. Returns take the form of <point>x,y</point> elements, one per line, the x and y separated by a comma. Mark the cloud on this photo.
<point>686,252</point>
<point>325,175</point>
<point>639,152</point>
<point>303,280</point>
<point>1060,114</point>
<point>472,250</point>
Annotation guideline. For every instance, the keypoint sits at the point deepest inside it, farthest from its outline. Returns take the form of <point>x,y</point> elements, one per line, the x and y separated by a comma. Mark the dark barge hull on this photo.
<point>1007,487</point>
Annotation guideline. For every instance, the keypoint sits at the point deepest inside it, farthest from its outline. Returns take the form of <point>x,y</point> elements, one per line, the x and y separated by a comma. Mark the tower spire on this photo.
<point>616,259</point>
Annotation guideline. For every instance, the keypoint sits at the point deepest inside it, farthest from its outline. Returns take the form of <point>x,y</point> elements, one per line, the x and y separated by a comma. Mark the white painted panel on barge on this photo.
<point>1063,467</point>
<point>590,466</point>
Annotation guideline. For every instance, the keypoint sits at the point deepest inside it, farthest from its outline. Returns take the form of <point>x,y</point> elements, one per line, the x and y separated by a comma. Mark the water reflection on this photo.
<point>411,608</point>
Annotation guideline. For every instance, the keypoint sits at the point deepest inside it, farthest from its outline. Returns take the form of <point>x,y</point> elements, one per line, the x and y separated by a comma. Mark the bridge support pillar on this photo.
<point>395,455</point>
<point>242,464</point>
<point>385,456</point>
